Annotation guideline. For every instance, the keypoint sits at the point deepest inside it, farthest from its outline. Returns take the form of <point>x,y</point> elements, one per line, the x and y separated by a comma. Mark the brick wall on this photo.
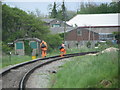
<point>84,35</point>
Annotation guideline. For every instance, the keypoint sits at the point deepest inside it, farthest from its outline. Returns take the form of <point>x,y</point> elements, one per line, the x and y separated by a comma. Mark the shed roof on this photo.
<point>82,20</point>
<point>21,39</point>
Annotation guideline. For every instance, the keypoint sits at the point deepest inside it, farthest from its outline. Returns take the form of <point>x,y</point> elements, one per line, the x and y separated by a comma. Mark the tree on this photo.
<point>59,12</point>
<point>63,11</point>
<point>16,23</point>
<point>54,11</point>
<point>114,7</point>
<point>53,41</point>
<point>92,8</point>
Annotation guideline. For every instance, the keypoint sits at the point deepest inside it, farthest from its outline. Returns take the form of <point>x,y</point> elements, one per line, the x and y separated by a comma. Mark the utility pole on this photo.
<point>89,32</point>
<point>64,29</point>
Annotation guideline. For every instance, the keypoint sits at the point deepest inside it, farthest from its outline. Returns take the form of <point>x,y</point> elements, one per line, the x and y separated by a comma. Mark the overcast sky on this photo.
<point>42,5</point>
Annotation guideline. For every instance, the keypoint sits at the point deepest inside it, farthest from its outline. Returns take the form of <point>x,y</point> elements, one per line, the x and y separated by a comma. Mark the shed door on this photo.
<point>33,45</point>
<point>19,45</point>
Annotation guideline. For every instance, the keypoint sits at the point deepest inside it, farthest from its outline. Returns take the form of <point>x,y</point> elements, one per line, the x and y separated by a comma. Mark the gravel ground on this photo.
<point>40,77</point>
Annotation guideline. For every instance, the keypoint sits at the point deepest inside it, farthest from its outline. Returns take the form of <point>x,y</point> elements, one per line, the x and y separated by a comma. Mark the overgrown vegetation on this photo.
<point>28,49</point>
<point>60,11</point>
<point>53,41</point>
<point>93,8</point>
<point>17,24</point>
<point>59,14</point>
<point>117,36</point>
<point>11,60</point>
<point>88,72</point>
<point>100,46</point>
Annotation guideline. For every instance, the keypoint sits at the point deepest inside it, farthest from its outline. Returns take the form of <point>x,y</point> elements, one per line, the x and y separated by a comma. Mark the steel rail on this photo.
<point>26,76</point>
<point>28,62</point>
<point>16,82</point>
<point>22,64</point>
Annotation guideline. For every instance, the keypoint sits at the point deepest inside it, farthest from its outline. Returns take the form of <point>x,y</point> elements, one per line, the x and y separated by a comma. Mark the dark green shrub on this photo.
<point>28,49</point>
<point>96,44</point>
<point>88,44</point>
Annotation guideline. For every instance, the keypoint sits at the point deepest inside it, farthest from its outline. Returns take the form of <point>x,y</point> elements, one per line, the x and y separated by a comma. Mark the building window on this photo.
<point>79,32</point>
<point>106,36</point>
<point>56,25</point>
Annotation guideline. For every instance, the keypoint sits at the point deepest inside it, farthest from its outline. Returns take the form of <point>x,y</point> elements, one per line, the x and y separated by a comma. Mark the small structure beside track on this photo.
<point>32,42</point>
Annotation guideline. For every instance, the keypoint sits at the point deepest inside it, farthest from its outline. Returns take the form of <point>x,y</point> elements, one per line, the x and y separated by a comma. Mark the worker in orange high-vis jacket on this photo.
<point>43,46</point>
<point>62,49</point>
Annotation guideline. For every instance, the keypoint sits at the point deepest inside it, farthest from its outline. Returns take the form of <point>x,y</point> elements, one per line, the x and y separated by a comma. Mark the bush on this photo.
<point>5,48</point>
<point>53,41</point>
<point>28,49</point>
<point>88,44</point>
<point>96,44</point>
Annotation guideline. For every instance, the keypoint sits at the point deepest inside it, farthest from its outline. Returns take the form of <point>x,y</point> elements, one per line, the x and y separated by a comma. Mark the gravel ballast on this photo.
<point>40,78</point>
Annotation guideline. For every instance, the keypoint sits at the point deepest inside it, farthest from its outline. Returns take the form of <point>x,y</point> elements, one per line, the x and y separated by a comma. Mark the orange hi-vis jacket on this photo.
<point>45,48</point>
<point>63,51</point>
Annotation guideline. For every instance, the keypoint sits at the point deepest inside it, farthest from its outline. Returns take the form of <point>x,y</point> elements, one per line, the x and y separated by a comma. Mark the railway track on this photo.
<point>16,76</point>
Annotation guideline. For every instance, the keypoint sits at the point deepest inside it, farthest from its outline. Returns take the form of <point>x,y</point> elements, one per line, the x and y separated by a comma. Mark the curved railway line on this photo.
<point>16,76</point>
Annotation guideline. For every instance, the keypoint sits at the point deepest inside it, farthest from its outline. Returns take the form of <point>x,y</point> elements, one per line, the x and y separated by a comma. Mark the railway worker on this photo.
<point>62,49</point>
<point>43,46</point>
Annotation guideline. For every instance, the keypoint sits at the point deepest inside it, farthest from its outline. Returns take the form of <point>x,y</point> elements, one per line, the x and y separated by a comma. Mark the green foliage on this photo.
<point>6,48</point>
<point>61,12</point>
<point>117,36</point>
<point>85,8</point>
<point>28,49</point>
<point>101,46</point>
<point>108,42</point>
<point>92,8</point>
<point>88,44</point>
<point>61,35</point>
<point>54,11</point>
<point>89,72</point>
<point>11,60</point>
<point>96,44</point>
<point>17,23</point>
<point>53,41</point>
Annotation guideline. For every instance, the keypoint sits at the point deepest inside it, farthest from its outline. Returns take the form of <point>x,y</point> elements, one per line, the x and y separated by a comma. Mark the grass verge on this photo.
<point>7,60</point>
<point>88,72</point>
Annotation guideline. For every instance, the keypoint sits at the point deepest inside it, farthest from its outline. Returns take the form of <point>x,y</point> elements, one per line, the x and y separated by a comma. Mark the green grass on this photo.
<point>88,72</point>
<point>18,59</point>
<point>72,50</point>
<point>6,61</point>
<point>53,52</point>
<point>82,49</point>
